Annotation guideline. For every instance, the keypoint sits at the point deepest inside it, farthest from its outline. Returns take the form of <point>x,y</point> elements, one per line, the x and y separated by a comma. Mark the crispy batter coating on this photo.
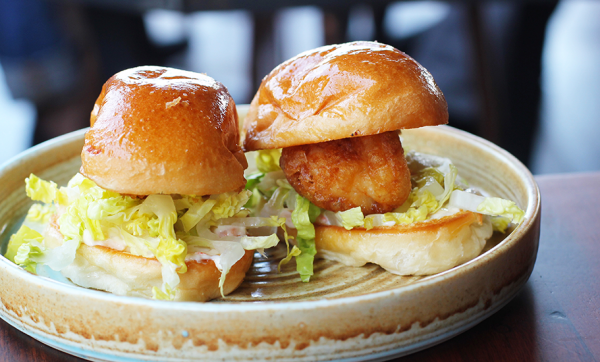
<point>369,172</point>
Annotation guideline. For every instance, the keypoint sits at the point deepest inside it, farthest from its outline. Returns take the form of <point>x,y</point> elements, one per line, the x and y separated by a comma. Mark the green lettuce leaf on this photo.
<point>253,180</point>
<point>352,218</point>
<point>305,261</point>
<point>305,238</point>
<point>301,219</point>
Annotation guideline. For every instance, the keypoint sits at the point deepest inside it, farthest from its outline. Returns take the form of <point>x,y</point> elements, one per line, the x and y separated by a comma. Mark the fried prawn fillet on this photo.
<point>369,172</point>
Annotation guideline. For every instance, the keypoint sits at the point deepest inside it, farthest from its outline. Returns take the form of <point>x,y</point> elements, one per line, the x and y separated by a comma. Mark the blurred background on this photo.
<point>523,74</point>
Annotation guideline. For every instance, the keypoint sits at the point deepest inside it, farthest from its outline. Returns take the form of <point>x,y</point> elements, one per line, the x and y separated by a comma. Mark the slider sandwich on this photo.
<point>326,124</point>
<point>157,208</point>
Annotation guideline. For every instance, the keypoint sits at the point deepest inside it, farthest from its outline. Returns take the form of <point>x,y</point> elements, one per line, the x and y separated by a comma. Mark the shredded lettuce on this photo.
<point>259,242</point>
<point>304,261</point>
<point>369,223</point>
<point>500,223</point>
<point>40,213</point>
<point>501,207</point>
<point>167,293</point>
<point>40,190</point>
<point>449,180</point>
<point>503,211</point>
<point>27,254</point>
<point>412,215</point>
<point>306,237</point>
<point>229,203</point>
<point>153,227</point>
<point>268,160</point>
<point>301,218</point>
<point>171,251</point>
<point>26,249</point>
<point>255,202</point>
<point>23,236</point>
<point>348,219</point>
<point>253,180</point>
<point>295,252</point>
<point>428,196</point>
<point>196,212</point>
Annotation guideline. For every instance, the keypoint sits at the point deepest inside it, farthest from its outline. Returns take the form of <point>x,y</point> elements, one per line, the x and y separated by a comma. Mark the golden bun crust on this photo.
<point>341,91</point>
<point>121,273</point>
<point>157,130</point>
<point>423,248</point>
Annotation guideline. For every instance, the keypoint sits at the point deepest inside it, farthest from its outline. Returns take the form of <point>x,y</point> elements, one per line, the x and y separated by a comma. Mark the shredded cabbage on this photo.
<point>435,183</point>
<point>40,190</point>
<point>166,294</point>
<point>348,219</point>
<point>268,160</point>
<point>23,236</point>
<point>26,249</point>
<point>229,203</point>
<point>196,212</point>
<point>259,242</point>
<point>170,251</point>
<point>501,207</point>
<point>157,226</point>
<point>40,213</point>
<point>503,211</point>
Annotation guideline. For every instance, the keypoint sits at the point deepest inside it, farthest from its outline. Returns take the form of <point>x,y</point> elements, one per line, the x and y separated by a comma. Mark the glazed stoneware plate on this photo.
<point>344,313</point>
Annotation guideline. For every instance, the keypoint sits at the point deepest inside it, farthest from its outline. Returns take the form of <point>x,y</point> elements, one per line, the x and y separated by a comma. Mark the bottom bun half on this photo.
<point>423,248</point>
<point>121,273</point>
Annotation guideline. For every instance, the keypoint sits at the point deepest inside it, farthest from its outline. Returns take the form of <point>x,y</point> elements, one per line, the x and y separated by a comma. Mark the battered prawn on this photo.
<point>369,172</point>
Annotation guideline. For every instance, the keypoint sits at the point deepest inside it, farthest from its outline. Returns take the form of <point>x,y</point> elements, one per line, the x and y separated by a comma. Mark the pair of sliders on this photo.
<point>161,208</point>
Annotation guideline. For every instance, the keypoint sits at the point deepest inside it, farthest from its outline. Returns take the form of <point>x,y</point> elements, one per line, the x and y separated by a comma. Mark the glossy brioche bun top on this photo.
<point>157,130</point>
<point>341,91</point>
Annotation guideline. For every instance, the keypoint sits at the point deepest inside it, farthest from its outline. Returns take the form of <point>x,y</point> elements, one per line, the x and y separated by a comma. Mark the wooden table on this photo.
<point>556,317</point>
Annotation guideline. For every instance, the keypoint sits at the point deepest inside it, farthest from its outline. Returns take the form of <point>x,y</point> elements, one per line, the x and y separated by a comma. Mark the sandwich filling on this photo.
<point>436,191</point>
<point>172,229</point>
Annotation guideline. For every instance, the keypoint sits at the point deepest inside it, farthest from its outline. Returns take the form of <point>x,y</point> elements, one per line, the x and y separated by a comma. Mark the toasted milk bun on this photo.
<point>340,91</point>
<point>121,273</point>
<point>423,248</point>
<point>157,130</point>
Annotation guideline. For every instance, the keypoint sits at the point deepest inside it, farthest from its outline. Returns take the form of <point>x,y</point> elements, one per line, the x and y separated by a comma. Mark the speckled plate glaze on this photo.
<point>344,313</point>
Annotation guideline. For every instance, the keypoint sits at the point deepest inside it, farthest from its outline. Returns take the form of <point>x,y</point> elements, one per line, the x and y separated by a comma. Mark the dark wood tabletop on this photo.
<point>556,317</point>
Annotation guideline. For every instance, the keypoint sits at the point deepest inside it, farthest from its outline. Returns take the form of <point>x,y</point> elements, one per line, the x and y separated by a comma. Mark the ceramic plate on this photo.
<point>344,313</point>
